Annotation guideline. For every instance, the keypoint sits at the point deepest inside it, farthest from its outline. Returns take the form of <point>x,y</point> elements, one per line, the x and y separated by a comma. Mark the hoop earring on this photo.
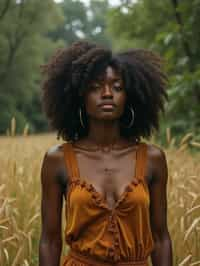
<point>81,118</point>
<point>132,118</point>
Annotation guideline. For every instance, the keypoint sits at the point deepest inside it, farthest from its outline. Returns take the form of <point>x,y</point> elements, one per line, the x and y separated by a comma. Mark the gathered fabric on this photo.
<point>99,235</point>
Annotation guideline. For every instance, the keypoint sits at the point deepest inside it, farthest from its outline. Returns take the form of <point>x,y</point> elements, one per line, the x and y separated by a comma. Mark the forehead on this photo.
<point>110,74</point>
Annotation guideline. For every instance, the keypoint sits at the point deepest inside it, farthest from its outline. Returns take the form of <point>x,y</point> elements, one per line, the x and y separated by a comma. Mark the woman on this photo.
<point>114,184</point>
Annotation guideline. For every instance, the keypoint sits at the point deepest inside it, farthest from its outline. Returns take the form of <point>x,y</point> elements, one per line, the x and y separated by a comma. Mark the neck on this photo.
<point>104,133</point>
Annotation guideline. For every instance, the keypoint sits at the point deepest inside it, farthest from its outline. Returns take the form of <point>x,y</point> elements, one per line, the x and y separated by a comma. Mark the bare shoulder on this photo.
<point>54,155</point>
<point>157,163</point>
<point>53,165</point>
<point>55,152</point>
<point>155,152</point>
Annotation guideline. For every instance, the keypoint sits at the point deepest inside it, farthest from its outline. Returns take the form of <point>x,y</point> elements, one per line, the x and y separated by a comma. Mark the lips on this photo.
<point>107,104</point>
<point>107,107</point>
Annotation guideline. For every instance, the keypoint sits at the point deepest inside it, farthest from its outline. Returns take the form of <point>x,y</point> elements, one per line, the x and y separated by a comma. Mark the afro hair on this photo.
<point>70,70</point>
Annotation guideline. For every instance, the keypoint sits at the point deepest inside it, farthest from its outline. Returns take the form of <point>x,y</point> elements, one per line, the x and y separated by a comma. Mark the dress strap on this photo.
<point>70,160</point>
<point>141,161</point>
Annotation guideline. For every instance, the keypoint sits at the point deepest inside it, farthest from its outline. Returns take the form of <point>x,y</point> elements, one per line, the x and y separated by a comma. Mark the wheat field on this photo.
<point>20,165</point>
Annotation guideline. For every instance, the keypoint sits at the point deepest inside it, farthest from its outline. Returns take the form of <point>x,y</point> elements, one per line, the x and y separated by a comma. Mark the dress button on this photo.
<point>116,238</point>
<point>116,244</point>
<point>116,257</point>
<point>110,217</point>
<point>111,252</point>
<point>111,229</point>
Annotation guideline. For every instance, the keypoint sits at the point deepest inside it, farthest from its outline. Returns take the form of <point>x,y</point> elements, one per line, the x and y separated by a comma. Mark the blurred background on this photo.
<point>30,32</point>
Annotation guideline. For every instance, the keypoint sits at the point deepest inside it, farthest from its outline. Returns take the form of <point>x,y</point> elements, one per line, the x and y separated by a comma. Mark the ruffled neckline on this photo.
<point>98,198</point>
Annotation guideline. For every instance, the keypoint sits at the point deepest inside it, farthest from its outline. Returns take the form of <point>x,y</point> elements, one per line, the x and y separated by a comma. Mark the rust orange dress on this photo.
<point>98,235</point>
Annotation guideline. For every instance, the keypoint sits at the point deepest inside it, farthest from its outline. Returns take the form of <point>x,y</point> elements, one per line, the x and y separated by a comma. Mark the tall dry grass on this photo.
<point>20,164</point>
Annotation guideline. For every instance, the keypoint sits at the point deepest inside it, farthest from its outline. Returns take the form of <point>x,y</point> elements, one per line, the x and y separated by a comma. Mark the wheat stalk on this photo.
<point>20,195</point>
<point>186,260</point>
<point>13,126</point>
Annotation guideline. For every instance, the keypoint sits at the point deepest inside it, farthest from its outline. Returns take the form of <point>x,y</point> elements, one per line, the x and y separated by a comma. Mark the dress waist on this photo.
<point>86,260</point>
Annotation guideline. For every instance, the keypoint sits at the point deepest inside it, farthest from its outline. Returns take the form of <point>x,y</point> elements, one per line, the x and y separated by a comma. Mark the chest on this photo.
<point>110,174</point>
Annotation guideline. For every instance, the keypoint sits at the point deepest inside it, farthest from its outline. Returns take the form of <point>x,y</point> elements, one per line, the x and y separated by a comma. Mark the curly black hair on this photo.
<point>71,69</point>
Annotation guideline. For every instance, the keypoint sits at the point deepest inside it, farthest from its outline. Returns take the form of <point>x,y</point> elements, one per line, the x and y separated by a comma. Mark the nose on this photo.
<point>107,91</point>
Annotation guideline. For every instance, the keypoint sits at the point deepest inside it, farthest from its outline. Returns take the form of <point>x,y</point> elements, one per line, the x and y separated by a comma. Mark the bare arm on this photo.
<point>162,253</point>
<point>50,246</point>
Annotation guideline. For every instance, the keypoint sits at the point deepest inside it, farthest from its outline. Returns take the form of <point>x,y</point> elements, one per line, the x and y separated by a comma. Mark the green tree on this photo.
<point>30,32</point>
<point>170,27</point>
<point>97,22</point>
<point>83,22</point>
<point>24,46</point>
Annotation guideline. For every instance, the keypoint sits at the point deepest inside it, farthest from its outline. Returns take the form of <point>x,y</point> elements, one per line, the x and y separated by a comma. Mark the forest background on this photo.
<point>31,31</point>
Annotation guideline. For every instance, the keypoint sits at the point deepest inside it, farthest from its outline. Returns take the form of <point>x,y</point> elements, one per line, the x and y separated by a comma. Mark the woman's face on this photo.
<point>106,96</point>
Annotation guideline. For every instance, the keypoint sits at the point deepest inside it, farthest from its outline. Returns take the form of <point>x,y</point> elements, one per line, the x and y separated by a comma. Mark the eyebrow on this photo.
<point>117,79</point>
<point>113,79</point>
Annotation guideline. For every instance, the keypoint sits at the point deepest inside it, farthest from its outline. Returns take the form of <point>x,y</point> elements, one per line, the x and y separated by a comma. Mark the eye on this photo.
<point>118,88</point>
<point>96,85</point>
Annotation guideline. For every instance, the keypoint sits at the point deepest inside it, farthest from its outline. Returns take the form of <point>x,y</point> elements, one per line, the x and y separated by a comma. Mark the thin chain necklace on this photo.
<point>105,148</point>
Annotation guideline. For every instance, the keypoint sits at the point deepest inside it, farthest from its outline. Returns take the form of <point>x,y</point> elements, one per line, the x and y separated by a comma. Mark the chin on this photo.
<point>109,117</point>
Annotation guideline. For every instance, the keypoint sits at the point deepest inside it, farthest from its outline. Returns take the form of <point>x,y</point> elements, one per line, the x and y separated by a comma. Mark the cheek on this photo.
<point>122,100</point>
<point>90,103</point>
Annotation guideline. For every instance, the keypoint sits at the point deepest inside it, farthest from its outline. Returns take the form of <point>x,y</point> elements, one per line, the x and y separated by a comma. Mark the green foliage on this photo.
<point>81,21</point>
<point>170,28</point>
<point>24,47</point>
<point>30,31</point>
